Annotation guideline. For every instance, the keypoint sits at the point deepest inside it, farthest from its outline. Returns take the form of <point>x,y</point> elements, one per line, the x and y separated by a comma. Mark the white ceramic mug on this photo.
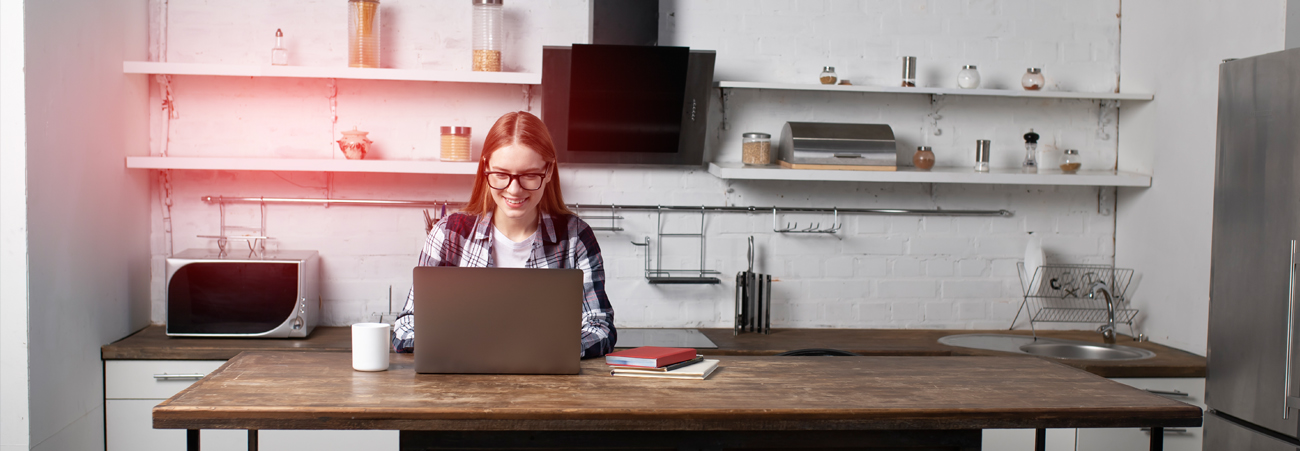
<point>370,343</point>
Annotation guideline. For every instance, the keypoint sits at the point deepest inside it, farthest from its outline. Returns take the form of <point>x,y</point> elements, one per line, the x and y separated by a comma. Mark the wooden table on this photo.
<point>770,402</point>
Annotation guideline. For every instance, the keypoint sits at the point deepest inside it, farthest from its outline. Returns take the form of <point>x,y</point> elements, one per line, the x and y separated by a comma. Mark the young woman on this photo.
<point>516,218</point>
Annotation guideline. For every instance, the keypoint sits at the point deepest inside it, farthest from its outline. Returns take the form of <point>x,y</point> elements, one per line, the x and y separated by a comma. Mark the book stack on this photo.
<point>655,361</point>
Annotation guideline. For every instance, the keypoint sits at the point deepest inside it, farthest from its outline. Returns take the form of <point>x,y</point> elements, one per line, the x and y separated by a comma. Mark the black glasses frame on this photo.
<point>513,178</point>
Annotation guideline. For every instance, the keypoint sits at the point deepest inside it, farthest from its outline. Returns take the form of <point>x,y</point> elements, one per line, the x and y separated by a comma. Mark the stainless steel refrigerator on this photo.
<point>1254,363</point>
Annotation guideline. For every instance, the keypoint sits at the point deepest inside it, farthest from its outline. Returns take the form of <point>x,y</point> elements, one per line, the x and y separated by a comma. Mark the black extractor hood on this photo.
<point>625,22</point>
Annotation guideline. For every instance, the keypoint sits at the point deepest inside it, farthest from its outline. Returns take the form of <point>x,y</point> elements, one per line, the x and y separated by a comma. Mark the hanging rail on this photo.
<point>697,208</point>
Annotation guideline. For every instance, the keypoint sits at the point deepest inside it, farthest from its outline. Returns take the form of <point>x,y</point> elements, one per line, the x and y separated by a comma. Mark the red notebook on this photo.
<point>649,356</point>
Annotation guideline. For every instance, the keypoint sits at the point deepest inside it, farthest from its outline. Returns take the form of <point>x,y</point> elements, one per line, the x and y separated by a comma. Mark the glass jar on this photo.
<point>1070,163</point>
<point>455,144</point>
<point>1033,79</point>
<point>487,35</point>
<point>982,155</point>
<point>828,76</point>
<point>279,55</point>
<point>968,78</point>
<point>756,148</point>
<point>1030,165</point>
<point>923,159</point>
<point>363,33</point>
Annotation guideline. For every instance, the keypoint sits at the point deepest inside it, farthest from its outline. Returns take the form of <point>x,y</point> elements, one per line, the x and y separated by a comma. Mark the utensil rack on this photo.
<point>667,276</point>
<point>815,227</point>
<point>1059,294</point>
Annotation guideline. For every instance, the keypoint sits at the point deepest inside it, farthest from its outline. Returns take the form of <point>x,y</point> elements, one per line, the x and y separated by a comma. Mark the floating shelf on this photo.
<point>738,171</point>
<point>354,73</point>
<point>306,165</point>
<point>936,91</point>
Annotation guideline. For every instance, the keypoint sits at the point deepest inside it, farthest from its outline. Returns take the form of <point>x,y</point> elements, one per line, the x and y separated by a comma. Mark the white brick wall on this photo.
<point>879,271</point>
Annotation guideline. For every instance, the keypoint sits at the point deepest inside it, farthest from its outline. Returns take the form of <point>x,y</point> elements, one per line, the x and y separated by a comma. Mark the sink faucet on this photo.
<point>1107,331</point>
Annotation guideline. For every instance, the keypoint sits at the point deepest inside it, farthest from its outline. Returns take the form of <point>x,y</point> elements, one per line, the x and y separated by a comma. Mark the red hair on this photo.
<point>523,129</point>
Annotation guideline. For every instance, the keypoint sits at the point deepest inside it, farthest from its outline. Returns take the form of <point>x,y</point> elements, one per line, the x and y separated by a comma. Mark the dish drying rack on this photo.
<point>1059,294</point>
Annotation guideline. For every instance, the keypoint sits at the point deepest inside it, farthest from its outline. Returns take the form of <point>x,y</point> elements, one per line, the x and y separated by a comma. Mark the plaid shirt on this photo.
<point>466,241</point>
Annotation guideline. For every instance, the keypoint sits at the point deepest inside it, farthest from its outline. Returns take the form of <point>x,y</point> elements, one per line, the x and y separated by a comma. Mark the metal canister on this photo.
<point>982,155</point>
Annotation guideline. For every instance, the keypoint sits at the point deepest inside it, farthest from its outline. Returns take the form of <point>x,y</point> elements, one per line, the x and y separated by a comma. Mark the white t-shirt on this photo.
<point>509,254</point>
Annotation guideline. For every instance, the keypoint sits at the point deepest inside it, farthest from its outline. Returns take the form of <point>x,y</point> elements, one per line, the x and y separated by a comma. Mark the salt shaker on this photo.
<point>982,155</point>
<point>1030,165</point>
<point>279,54</point>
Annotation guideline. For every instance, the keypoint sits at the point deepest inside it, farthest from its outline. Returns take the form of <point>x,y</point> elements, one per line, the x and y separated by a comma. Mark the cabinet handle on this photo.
<point>1290,334</point>
<point>172,377</point>
<point>1168,430</point>
<point>1167,392</point>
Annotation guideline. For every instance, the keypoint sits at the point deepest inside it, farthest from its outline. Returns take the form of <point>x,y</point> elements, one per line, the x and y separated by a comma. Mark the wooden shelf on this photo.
<point>738,171</point>
<point>305,165</point>
<point>354,73</point>
<point>936,91</point>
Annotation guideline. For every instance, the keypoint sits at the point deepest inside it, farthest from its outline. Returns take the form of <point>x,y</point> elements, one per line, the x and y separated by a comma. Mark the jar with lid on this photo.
<point>968,77</point>
<point>354,144</point>
<point>1033,79</point>
<point>1070,163</point>
<point>455,144</point>
<point>923,159</point>
<point>363,33</point>
<point>756,148</point>
<point>828,76</point>
<point>487,35</point>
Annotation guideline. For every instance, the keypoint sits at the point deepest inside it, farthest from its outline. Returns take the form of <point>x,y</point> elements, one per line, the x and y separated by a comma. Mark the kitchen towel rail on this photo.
<point>697,208</point>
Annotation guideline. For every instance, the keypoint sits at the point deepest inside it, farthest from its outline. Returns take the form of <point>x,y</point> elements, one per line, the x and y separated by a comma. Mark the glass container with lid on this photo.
<point>1070,162</point>
<point>279,55</point>
<point>982,155</point>
<point>487,35</point>
<point>923,159</point>
<point>455,144</point>
<point>1033,79</point>
<point>363,33</point>
<point>968,77</point>
<point>828,76</point>
<point>756,148</point>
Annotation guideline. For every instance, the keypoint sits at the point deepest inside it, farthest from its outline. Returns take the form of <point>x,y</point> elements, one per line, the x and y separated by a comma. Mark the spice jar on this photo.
<point>354,144</point>
<point>923,159</point>
<point>756,148</point>
<point>363,33</point>
<point>828,76</point>
<point>279,55</point>
<point>968,77</point>
<point>982,155</point>
<point>909,71</point>
<point>455,144</point>
<point>1033,79</point>
<point>1070,163</point>
<point>1030,166</point>
<point>487,35</point>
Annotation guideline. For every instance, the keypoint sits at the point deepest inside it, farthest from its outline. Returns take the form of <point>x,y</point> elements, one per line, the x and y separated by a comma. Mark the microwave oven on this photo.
<point>267,295</point>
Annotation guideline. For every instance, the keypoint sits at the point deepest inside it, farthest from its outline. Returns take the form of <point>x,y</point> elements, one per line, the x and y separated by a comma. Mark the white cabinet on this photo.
<point>133,387</point>
<point>1188,390</point>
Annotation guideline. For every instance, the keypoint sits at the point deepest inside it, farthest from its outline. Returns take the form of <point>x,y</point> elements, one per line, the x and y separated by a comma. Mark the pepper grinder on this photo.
<point>279,55</point>
<point>1030,166</point>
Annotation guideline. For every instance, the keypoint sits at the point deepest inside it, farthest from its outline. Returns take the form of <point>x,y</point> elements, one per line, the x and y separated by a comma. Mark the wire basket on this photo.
<point>1059,294</point>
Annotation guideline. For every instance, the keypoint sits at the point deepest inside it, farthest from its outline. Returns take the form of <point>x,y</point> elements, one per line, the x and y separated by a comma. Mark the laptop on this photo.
<point>497,320</point>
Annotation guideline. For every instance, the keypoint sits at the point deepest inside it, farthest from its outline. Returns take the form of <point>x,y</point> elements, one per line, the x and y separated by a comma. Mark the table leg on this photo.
<point>252,440</point>
<point>1157,439</point>
<point>1040,439</point>
<point>192,440</point>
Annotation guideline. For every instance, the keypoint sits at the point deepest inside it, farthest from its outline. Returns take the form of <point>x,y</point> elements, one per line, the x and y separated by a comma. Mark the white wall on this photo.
<point>1174,48</point>
<point>87,216</point>
<point>13,232</point>
<point>882,272</point>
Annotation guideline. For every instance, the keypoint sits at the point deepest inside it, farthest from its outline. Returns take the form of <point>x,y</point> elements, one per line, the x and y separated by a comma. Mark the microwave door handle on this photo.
<point>1289,402</point>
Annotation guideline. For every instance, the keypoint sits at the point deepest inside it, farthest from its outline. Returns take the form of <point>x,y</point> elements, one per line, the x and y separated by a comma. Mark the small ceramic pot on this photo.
<point>354,144</point>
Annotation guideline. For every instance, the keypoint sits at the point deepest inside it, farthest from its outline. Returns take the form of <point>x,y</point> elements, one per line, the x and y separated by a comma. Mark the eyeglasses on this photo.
<point>501,180</point>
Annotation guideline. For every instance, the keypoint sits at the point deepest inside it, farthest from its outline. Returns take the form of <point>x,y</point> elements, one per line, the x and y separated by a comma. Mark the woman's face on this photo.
<point>514,201</point>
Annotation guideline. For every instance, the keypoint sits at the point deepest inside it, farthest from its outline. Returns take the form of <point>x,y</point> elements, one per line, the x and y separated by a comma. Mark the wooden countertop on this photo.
<point>315,390</point>
<point>151,343</point>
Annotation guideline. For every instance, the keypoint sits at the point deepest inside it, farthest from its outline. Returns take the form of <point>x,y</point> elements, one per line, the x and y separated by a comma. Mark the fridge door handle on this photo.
<point>1288,401</point>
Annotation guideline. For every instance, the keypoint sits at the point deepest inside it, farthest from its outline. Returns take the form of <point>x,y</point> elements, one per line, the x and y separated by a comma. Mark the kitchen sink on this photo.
<point>1046,347</point>
<point>1086,351</point>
